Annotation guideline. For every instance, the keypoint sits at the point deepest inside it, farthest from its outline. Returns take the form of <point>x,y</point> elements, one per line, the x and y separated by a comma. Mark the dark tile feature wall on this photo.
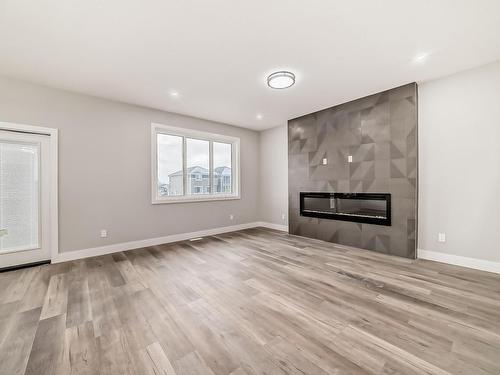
<point>380,132</point>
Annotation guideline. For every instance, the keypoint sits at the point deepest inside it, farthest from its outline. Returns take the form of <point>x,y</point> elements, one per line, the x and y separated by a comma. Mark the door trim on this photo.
<point>54,176</point>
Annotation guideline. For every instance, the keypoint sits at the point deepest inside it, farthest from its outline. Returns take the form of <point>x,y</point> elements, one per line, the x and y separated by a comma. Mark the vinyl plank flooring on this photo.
<point>7,317</point>
<point>113,351</point>
<point>35,294</point>
<point>56,298</point>
<point>48,346</point>
<point>18,342</point>
<point>82,349</point>
<point>251,302</point>
<point>192,364</point>
<point>16,291</point>
<point>160,360</point>
<point>79,309</point>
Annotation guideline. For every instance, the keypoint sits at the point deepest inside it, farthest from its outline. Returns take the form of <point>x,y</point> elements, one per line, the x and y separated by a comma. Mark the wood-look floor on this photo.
<point>249,302</point>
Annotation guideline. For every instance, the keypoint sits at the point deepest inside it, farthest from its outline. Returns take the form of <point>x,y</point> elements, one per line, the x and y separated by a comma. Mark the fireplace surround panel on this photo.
<point>368,145</point>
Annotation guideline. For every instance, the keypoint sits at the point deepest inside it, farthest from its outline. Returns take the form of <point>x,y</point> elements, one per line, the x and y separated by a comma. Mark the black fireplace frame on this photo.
<point>358,219</point>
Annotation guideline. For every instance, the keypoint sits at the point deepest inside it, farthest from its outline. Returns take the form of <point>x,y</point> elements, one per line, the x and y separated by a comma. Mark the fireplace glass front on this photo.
<point>372,208</point>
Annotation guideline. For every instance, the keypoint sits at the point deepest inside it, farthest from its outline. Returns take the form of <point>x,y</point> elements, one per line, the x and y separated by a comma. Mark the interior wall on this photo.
<point>274,176</point>
<point>104,167</point>
<point>459,148</point>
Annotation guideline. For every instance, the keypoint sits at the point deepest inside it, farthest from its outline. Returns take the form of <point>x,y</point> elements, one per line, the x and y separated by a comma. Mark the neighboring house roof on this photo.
<point>195,169</point>
<point>219,171</point>
<point>222,171</point>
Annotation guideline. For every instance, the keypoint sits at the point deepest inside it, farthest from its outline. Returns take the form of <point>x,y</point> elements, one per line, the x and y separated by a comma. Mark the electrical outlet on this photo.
<point>104,233</point>
<point>324,161</point>
<point>349,158</point>
<point>441,237</point>
<point>231,217</point>
<point>283,216</point>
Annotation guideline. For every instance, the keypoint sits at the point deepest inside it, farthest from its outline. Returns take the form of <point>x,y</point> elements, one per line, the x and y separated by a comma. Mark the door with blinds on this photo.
<point>24,198</point>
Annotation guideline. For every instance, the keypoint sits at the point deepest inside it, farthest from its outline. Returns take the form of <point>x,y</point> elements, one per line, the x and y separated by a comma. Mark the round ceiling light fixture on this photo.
<point>281,80</point>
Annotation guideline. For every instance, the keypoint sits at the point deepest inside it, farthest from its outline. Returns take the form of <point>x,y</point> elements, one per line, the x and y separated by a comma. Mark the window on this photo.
<point>222,168</point>
<point>198,164</point>
<point>169,155</point>
<point>189,165</point>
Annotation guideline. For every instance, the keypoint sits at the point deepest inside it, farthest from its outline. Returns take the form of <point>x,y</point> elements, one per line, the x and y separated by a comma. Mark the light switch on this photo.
<point>349,158</point>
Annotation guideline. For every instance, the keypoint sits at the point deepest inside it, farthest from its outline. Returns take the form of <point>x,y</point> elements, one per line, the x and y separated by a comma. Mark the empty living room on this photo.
<point>277,187</point>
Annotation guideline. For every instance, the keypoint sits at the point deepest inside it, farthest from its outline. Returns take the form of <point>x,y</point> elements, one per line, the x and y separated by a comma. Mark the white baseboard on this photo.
<point>123,246</point>
<point>479,264</point>
<point>457,260</point>
<point>283,228</point>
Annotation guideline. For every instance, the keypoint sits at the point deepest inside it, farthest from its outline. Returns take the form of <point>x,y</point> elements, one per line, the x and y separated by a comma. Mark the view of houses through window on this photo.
<point>194,173</point>
<point>198,181</point>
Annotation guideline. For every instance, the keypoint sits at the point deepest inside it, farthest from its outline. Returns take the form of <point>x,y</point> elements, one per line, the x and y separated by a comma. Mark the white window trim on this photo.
<point>197,134</point>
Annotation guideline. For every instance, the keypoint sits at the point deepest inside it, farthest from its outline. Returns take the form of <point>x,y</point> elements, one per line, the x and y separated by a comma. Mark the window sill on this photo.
<point>207,198</point>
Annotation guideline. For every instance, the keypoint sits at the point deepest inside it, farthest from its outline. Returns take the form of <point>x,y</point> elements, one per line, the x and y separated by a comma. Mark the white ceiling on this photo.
<point>216,54</point>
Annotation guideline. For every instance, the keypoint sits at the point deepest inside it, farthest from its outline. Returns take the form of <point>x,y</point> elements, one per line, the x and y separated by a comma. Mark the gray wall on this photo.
<point>274,176</point>
<point>104,167</point>
<point>459,185</point>
<point>380,132</point>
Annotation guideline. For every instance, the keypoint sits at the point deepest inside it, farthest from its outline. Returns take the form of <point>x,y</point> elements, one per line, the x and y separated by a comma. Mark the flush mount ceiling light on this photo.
<point>281,80</point>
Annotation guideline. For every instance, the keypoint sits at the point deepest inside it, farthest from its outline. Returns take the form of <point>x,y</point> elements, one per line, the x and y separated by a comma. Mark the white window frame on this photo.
<point>201,135</point>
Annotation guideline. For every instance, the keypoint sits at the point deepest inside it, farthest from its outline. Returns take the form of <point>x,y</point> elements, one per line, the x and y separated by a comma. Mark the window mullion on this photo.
<point>156,164</point>
<point>211,167</point>
<point>233,163</point>
<point>184,167</point>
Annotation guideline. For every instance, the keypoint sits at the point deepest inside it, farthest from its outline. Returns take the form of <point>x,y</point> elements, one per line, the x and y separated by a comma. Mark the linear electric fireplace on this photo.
<point>371,208</point>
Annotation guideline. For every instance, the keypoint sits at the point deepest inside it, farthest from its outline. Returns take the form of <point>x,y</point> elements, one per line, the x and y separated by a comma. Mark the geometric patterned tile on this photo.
<point>380,133</point>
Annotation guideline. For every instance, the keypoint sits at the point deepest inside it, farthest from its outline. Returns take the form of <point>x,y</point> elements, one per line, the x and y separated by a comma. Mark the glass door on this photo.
<point>24,198</point>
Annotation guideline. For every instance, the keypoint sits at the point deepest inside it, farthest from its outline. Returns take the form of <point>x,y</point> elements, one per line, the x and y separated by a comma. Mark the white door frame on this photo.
<point>54,196</point>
